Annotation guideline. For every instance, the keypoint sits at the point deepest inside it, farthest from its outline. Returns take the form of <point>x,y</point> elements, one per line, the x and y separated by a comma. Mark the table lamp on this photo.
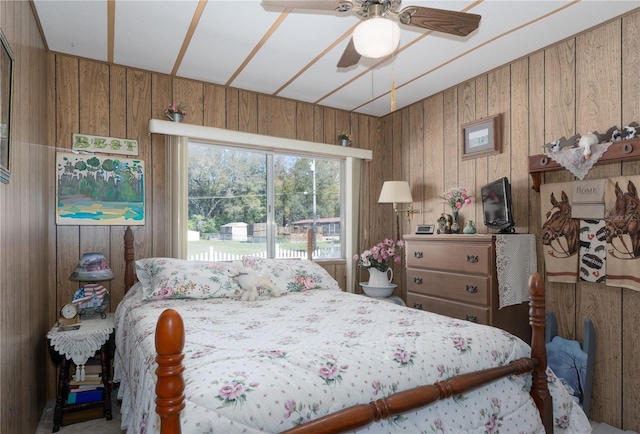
<point>92,298</point>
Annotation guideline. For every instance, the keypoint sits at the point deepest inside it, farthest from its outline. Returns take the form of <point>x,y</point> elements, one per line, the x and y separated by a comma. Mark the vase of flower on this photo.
<point>455,226</point>
<point>379,278</point>
<point>175,112</point>
<point>175,117</point>
<point>344,139</point>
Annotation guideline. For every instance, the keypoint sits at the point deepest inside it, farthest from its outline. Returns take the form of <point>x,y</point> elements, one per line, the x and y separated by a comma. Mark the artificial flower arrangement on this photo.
<point>456,197</point>
<point>344,136</point>
<point>378,256</point>
<point>175,108</point>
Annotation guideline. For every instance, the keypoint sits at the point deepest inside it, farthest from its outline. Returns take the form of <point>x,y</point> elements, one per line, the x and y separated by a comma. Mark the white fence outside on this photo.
<point>213,255</point>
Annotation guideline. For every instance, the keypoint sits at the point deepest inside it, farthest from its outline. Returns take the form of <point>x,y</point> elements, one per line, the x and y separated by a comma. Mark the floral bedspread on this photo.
<point>269,365</point>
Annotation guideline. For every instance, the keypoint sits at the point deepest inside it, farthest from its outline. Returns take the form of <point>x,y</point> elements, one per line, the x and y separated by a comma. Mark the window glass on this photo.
<point>245,202</point>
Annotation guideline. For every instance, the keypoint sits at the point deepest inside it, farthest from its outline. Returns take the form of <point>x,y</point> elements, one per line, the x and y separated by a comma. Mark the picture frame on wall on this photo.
<point>99,190</point>
<point>6,94</point>
<point>481,138</point>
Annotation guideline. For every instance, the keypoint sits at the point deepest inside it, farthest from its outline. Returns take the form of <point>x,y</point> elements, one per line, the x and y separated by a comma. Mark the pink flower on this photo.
<point>401,356</point>
<point>231,391</point>
<point>309,282</point>
<point>328,371</point>
<point>289,406</point>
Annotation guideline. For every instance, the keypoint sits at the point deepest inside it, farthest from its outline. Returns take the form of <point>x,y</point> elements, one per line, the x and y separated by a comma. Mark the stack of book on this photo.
<point>89,390</point>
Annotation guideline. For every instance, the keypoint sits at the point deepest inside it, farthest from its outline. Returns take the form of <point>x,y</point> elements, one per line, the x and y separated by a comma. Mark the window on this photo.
<point>262,203</point>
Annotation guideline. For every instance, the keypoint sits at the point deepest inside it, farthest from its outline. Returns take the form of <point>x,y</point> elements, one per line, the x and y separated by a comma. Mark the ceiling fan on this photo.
<point>378,35</point>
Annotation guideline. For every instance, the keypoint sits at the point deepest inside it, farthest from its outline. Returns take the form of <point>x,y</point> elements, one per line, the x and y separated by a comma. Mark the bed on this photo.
<point>191,355</point>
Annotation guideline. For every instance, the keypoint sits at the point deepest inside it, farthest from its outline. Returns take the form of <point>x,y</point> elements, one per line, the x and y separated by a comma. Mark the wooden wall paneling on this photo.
<point>433,158</point>
<point>560,121</point>
<point>276,117</point>
<point>50,313</point>
<point>247,111</point>
<point>344,121</point>
<point>597,78</point>
<point>416,164</point>
<point>536,134</point>
<point>481,164</point>
<point>500,103</point>
<point>450,150</point>
<point>215,114</point>
<point>466,169</point>
<point>139,100</point>
<point>630,299</point>
<point>630,398</point>
<point>94,101</point>
<point>305,126</point>
<point>318,124</point>
<point>161,90</point>
<point>329,128</point>
<point>233,109</point>
<point>519,133</point>
<point>191,94</point>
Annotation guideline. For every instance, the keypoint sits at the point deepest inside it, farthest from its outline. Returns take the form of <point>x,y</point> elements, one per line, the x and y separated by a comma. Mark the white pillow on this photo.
<point>170,278</point>
<point>292,275</point>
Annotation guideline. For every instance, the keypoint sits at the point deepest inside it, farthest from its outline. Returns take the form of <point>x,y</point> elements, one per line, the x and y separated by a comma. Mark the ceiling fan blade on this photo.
<point>319,5</point>
<point>440,20</point>
<point>350,56</point>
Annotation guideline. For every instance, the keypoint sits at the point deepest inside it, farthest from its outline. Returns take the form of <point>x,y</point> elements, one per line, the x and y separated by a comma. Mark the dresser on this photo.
<point>455,275</point>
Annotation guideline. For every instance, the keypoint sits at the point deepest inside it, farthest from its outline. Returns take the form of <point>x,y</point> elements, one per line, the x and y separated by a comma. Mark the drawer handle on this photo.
<point>417,255</point>
<point>417,306</point>
<point>472,289</point>
<point>471,318</point>
<point>472,258</point>
<point>417,280</point>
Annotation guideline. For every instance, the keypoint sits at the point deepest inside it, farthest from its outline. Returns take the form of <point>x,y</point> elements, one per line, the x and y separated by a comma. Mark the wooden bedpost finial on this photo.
<point>537,319</point>
<point>129,265</point>
<point>170,386</point>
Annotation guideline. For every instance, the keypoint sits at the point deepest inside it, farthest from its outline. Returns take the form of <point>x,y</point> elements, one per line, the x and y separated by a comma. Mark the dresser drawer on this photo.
<point>471,288</point>
<point>453,309</point>
<point>456,257</point>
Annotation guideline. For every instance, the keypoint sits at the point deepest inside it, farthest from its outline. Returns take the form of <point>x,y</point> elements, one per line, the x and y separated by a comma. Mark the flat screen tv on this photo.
<point>496,206</point>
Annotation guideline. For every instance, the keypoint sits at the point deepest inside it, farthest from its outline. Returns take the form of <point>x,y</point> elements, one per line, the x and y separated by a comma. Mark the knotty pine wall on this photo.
<point>587,82</point>
<point>25,204</point>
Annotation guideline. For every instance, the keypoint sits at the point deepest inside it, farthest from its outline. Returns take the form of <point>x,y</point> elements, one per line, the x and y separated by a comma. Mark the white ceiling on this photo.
<point>239,43</point>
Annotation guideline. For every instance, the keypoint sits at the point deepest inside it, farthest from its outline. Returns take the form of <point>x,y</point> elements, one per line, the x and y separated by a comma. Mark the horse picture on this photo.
<point>560,231</point>
<point>622,227</point>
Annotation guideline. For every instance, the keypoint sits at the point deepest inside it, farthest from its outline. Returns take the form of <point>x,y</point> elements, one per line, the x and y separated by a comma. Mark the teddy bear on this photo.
<point>250,281</point>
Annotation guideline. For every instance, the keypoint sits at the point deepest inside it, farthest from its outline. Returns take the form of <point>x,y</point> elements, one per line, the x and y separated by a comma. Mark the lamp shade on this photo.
<point>376,37</point>
<point>92,267</point>
<point>395,192</point>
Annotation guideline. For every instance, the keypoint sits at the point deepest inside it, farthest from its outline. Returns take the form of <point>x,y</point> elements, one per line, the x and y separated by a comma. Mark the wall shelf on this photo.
<point>626,150</point>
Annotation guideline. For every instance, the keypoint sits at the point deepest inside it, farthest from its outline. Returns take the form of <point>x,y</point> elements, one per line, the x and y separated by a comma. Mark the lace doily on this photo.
<point>573,160</point>
<point>79,345</point>
<point>516,260</point>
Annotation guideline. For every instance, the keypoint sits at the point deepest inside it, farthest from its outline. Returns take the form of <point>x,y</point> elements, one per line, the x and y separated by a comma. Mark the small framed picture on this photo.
<point>481,138</point>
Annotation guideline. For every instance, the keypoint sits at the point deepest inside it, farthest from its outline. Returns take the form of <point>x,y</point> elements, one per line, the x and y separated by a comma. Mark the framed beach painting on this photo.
<point>99,190</point>
<point>6,93</point>
<point>481,138</point>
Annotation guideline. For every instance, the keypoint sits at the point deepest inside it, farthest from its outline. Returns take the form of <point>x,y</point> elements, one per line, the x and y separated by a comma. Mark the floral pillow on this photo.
<point>170,278</point>
<point>292,275</point>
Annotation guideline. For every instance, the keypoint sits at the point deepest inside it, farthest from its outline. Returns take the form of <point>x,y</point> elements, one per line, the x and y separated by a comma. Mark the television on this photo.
<point>496,206</point>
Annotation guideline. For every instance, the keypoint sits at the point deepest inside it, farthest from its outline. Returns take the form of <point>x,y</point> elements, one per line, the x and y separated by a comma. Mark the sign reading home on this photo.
<point>109,145</point>
<point>99,190</point>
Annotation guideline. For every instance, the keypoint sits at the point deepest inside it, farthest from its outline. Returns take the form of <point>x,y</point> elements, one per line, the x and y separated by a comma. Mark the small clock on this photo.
<point>68,315</point>
<point>425,229</point>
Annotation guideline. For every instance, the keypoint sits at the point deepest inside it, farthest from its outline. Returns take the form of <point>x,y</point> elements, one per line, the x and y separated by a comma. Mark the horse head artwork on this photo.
<point>560,231</point>
<point>622,227</point>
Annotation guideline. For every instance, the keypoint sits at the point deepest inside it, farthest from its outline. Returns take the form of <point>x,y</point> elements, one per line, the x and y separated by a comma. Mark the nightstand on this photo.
<point>93,338</point>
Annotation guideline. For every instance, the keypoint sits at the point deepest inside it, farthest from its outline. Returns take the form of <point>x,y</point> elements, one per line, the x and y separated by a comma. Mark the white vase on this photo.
<point>379,278</point>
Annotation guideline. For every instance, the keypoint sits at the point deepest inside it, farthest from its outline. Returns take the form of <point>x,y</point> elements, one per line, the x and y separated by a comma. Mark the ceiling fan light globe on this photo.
<point>376,37</point>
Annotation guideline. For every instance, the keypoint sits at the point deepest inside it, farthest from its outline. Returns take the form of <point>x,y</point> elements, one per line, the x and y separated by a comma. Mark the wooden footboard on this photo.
<point>170,336</point>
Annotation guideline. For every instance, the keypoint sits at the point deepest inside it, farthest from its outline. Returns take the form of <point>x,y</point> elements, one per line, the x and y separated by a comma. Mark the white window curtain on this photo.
<point>177,139</point>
